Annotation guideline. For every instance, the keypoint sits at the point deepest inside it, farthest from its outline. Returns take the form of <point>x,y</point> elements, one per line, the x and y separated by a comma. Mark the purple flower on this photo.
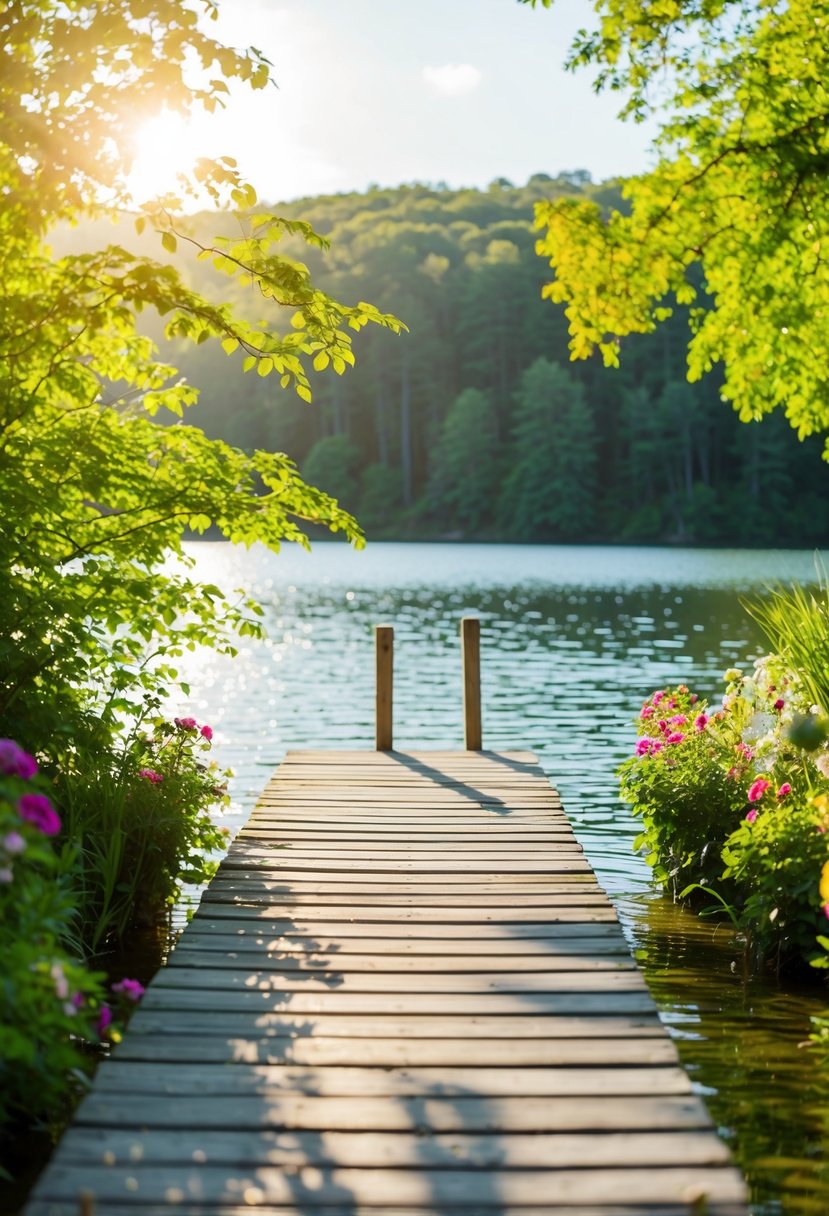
<point>6,874</point>
<point>104,1020</point>
<point>751,815</point>
<point>131,989</point>
<point>186,723</point>
<point>38,810</point>
<point>149,774</point>
<point>13,843</point>
<point>207,733</point>
<point>14,762</point>
<point>757,789</point>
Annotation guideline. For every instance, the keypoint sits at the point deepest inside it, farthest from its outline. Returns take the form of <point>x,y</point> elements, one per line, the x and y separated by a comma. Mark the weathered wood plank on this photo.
<point>306,933</point>
<point>386,963</point>
<point>222,980</point>
<point>109,1147</point>
<point>401,912</point>
<point>420,1187</point>
<point>598,1052</point>
<point>401,1113</point>
<point>599,1024</point>
<point>366,1003</point>
<point>212,1080</point>
<point>402,952</point>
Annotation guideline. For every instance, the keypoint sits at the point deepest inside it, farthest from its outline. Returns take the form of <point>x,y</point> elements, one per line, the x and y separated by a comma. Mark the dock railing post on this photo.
<point>384,650</point>
<point>471,649</point>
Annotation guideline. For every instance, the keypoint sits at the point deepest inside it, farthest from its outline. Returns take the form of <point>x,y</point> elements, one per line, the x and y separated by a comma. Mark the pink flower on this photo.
<point>104,1020</point>
<point>38,810</point>
<point>693,698</point>
<point>657,697</point>
<point>207,733</point>
<point>745,750</point>
<point>647,711</point>
<point>785,789</point>
<point>826,911</point>
<point>663,726</point>
<point>779,703</point>
<point>678,720</point>
<point>149,774</point>
<point>13,843</point>
<point>14,762</point>
<point>186,723</point>
<point>131,989</point>
<point>757,789</point>
<point>751,816</point>
<point>700,722</point>
<point>675,737</point>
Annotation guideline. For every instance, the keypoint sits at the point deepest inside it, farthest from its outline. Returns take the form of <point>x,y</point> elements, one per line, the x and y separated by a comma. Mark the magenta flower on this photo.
<point>77,1000</point>
<point>207,733</point>
<point>678,720</point>
<point>644,747</point>
<point>149,774</point>
<point>186,723</point>
<point>693,698</point>
<point>785,789</point>
<point>663,726</point>
<point>757,789</point>
<point>14,762</point>
<point>675,737</point>
<point>647,711</point>
<point>779,703</point>
<point>657,697</point>
<point>700,722</point>
<point>131,989</point>
<point>751,816</point>
<point>104,1020</point>
<point>38,810</point>
<point>826,911</point>
<point>745,750</point>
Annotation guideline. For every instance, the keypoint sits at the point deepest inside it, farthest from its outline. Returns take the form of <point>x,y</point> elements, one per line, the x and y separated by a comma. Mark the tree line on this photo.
<point>474,423</point>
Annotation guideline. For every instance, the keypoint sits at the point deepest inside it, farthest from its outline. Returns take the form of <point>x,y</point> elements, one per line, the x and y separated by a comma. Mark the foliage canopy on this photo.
<point>738,191</point>
<point>97,491</point>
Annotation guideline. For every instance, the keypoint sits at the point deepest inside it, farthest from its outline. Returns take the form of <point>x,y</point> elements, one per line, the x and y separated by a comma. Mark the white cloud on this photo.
<point>453,79</point>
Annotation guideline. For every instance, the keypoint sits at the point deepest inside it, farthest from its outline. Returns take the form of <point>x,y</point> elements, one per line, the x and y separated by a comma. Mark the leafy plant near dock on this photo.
<point>735,799</point>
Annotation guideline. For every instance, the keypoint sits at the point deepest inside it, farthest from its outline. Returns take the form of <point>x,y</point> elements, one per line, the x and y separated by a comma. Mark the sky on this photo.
<point>391,91</point>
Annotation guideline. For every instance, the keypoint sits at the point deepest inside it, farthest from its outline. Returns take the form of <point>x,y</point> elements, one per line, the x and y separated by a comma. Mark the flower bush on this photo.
<point>141,817</point>
<point>735,799</point>
<point>50,1004</point>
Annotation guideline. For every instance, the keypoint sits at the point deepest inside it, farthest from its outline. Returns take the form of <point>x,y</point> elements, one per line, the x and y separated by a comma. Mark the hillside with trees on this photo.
<point>475,423</point>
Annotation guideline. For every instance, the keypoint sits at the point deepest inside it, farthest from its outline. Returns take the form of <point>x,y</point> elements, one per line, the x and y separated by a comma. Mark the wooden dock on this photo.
<point>404,992</point>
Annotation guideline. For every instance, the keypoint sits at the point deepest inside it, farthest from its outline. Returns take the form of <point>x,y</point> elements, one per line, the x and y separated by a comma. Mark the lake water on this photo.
<point>572,640</point>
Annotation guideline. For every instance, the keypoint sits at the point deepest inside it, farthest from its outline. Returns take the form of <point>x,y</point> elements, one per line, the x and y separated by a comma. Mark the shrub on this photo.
<point>736,799</point>
<point>138,819</point>
<point>50,1005</point>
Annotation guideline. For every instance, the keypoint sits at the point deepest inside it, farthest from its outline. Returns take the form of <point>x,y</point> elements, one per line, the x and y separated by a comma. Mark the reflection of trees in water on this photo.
<point>742,1040</point>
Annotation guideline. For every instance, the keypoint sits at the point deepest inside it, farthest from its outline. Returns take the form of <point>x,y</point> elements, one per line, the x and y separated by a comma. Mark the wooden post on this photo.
<point>471,648</point>
<point>86,1203</point>
<point>384,648</point>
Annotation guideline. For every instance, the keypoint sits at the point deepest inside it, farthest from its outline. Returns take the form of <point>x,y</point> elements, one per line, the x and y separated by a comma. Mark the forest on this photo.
<point>474,423</point>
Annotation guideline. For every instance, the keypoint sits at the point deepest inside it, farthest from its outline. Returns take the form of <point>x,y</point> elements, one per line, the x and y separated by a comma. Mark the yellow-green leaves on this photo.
<point>737,203</point>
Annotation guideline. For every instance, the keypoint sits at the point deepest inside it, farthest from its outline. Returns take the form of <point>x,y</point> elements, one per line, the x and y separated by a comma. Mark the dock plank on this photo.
<point>404,993</point>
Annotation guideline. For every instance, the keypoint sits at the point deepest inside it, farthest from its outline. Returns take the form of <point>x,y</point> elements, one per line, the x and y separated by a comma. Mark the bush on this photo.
<point>735,800</point>
<point>50,1005</point>
<point>138,821</point>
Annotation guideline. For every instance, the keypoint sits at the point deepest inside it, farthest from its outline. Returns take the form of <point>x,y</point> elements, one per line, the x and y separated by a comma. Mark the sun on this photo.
<point>165,146</point>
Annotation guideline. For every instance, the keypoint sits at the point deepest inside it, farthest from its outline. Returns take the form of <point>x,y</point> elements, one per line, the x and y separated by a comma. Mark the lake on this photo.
<point>573,639</point>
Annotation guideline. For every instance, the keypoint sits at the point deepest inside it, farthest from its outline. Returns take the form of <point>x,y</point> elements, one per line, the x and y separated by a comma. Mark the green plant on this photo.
<point>795,619</point>
<point>734,805</point>
<point>51,1006</point>
<point>139,821</point>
